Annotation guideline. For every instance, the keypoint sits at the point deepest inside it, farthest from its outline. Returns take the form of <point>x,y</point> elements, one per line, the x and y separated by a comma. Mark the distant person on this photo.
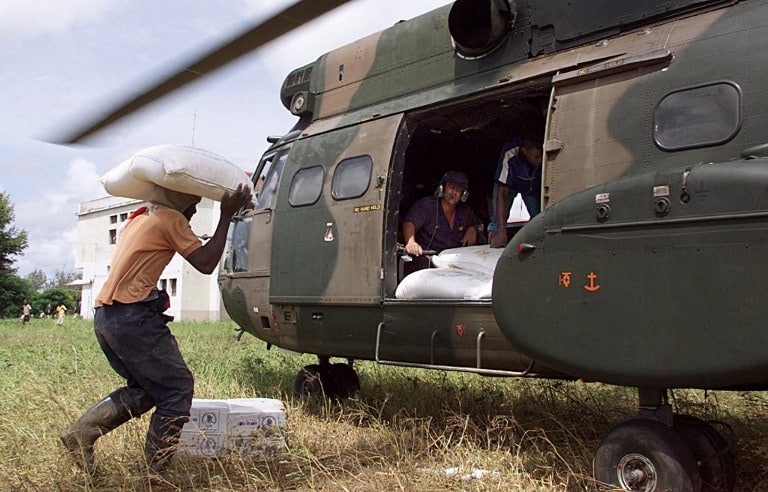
<point>26,312</point>
<point>61,312</point>
<point>518,171</point>
<point>133,332</point>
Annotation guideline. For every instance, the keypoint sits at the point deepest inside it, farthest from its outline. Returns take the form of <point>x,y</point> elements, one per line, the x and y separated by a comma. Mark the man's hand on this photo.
<point>499,239</point>
<point>470,237</point>
<point>206,258</point>
<point>232,202</point>
<point>413,248</point>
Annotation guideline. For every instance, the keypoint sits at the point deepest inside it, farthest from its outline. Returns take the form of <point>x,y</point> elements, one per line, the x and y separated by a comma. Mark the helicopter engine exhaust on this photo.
<point>478,30</point>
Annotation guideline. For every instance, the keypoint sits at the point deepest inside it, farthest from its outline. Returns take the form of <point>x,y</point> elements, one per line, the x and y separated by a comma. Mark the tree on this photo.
<point>13,291</point>
<point>13,241</point>
<point>61,278</point>
<point>38,280</point>
<point>54,297</point>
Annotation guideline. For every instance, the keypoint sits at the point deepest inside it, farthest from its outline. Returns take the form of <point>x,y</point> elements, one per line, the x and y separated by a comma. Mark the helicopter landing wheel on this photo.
<point>342,380</point>
<point>715,460</point>
<point>309,382</point>
<point>646,455</point>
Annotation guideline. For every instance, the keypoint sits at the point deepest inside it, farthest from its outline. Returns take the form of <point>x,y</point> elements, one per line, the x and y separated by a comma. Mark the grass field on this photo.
<point>406,429</point>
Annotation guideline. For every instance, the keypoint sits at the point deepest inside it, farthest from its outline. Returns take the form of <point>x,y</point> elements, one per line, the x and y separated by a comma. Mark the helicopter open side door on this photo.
<point>327,242</point>
<point>582,119</point>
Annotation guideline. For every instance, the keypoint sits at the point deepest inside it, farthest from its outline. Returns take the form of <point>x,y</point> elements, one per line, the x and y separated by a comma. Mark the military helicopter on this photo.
<point>643,268</point>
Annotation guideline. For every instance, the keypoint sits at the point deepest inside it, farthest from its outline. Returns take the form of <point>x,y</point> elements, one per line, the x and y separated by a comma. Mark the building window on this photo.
<point>113,236</point>
<point>123,217</point>
<point>113,219</point>
<point>351,178</point>
<point>173,286</point>
<point>698,116</point>
<point>162,284</point>
<point>306,186</point>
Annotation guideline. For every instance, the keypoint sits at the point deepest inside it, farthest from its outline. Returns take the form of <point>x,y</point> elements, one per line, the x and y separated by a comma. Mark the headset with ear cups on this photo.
<point>441,187</point>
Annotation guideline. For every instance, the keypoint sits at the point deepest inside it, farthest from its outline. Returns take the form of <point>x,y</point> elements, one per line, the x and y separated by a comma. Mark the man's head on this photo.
<point>183,202</point>
<point>532,152</point>
<point>455,186</point>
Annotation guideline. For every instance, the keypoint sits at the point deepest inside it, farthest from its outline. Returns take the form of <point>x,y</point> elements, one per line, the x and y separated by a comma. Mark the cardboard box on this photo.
<point>198,443</point>
<point>249,426</point>
<point>208,415</point>
<point>248,416</point>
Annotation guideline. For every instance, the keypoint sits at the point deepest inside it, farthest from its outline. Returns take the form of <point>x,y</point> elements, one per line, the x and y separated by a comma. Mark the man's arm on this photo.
<point>499,239</point>
<point>205,258</point>
<point>409,234</point>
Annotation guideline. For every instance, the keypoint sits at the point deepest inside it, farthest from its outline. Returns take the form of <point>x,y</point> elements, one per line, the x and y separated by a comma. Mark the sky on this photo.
<point>65,61</point>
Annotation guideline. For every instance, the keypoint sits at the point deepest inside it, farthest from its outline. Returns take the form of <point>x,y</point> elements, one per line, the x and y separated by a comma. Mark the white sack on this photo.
<point>176,167</point>
<point>445,283</point>
<point>475,258</point>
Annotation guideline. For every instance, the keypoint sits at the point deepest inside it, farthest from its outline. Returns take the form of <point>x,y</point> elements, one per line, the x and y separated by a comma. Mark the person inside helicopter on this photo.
<point>442,221</point>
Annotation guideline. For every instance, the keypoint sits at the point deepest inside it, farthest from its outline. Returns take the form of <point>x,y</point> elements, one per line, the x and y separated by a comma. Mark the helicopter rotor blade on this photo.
<point>278,25</point>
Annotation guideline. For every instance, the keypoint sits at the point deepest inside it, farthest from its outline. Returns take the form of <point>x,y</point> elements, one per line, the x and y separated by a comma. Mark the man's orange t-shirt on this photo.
<point>146,246</point>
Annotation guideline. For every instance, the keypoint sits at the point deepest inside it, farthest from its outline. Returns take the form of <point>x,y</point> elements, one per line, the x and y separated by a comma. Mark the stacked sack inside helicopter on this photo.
<point>175,167</point>
<point>460,273</point>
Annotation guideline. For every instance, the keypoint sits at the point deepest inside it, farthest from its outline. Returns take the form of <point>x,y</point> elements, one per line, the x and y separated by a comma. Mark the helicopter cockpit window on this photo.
<point>269,181</point>
<point>351,178</point>
<point>306,186</point>
<point>698,116</point>
<point>238,246</point>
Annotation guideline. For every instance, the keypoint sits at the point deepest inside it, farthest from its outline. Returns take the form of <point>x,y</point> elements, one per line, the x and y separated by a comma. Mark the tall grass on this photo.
<point>405,430</point>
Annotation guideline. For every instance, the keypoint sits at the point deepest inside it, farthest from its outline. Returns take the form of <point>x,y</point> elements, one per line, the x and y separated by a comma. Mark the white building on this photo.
<point>194,296</point>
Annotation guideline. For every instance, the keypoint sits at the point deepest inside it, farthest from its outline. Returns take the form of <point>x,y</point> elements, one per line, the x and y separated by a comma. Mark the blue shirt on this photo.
<point>432,229</point>
<point>514,171</point>
<point>521,177</point>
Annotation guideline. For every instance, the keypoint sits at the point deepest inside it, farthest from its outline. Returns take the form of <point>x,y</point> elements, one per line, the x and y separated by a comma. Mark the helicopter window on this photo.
<point>239,235</point>
<point>306,186</point>
<point>351,178</point>
<point>268,183</point>
<point>698,116</point>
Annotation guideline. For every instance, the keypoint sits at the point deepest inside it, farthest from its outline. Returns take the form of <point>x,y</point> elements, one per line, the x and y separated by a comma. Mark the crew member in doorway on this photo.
<point>132,330</point>
<point>518,171</point>
<point>443,221</point>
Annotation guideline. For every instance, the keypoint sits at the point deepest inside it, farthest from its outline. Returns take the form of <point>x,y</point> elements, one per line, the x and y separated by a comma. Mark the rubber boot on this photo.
<point>162,440</point>
<point>101,418</point>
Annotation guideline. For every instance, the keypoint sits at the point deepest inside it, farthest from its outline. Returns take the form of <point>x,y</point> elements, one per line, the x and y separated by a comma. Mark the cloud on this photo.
<point>35,17</point>
<point>50,219</point>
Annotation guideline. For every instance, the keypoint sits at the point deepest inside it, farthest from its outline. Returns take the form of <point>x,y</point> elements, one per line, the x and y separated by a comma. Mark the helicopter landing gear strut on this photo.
<point>658,450</point>
<point>337,381</point>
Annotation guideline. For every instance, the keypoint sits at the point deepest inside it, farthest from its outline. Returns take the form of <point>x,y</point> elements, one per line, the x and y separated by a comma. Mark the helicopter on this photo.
<point>642,269</point>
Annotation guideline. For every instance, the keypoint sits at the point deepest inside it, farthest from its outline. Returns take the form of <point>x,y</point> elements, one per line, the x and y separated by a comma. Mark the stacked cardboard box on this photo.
<point>249,426</point>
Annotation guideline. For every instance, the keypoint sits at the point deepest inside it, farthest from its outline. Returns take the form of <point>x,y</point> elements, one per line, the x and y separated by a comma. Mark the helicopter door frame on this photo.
<point>245,276</point>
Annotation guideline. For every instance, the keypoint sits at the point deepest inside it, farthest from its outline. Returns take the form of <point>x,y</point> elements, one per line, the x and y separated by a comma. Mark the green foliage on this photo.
<point>13,291</point>
<point>12,241</point>
<point>53,297</point>
<point>61,278</point>
<point>38,280</point>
